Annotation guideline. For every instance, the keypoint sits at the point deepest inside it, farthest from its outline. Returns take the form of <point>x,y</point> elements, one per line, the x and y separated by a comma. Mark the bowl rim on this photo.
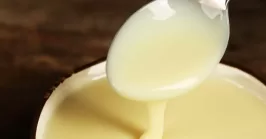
<point>33,130</point>
<point>235,67</point>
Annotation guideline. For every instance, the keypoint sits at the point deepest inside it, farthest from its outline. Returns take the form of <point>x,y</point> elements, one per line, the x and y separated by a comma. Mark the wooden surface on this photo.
<point>42,40</point>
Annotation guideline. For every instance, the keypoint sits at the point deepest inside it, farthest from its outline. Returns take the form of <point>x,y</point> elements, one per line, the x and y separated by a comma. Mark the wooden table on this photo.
<point>42,40</point>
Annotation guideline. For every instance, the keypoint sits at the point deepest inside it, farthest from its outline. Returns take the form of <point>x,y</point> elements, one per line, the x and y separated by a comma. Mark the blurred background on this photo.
<point>43,40</point>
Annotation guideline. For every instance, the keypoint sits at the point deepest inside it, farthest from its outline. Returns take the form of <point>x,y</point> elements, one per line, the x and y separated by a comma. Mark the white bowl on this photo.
<point>97,71</point>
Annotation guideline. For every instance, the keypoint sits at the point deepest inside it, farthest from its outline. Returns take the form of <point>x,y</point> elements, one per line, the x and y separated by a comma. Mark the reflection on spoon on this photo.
<point>161,10</point>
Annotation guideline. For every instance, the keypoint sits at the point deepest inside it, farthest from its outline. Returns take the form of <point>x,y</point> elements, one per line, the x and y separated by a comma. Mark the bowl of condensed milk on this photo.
<point>229,104</point>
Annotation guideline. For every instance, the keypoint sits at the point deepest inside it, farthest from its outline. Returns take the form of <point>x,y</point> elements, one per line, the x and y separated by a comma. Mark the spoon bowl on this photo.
<point>177,35</point>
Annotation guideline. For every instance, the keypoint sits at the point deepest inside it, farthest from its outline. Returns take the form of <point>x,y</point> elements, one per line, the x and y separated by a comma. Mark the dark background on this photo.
<point>43,40</point>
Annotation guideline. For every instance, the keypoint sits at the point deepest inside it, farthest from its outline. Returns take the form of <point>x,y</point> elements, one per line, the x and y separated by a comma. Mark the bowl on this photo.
<point>94,71</point>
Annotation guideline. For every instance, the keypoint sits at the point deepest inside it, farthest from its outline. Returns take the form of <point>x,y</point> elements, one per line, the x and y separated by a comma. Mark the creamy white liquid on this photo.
<point>156,111</point>
<point>165,49</point>
<point>217,109</point>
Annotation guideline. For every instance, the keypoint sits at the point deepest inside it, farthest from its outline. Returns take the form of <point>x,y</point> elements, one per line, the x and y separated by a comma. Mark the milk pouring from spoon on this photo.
<point>165,49</point>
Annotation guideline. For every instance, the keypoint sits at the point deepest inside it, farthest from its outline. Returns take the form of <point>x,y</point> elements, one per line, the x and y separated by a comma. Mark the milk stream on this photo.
<point>164,50</point>
<point>156,111</point>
